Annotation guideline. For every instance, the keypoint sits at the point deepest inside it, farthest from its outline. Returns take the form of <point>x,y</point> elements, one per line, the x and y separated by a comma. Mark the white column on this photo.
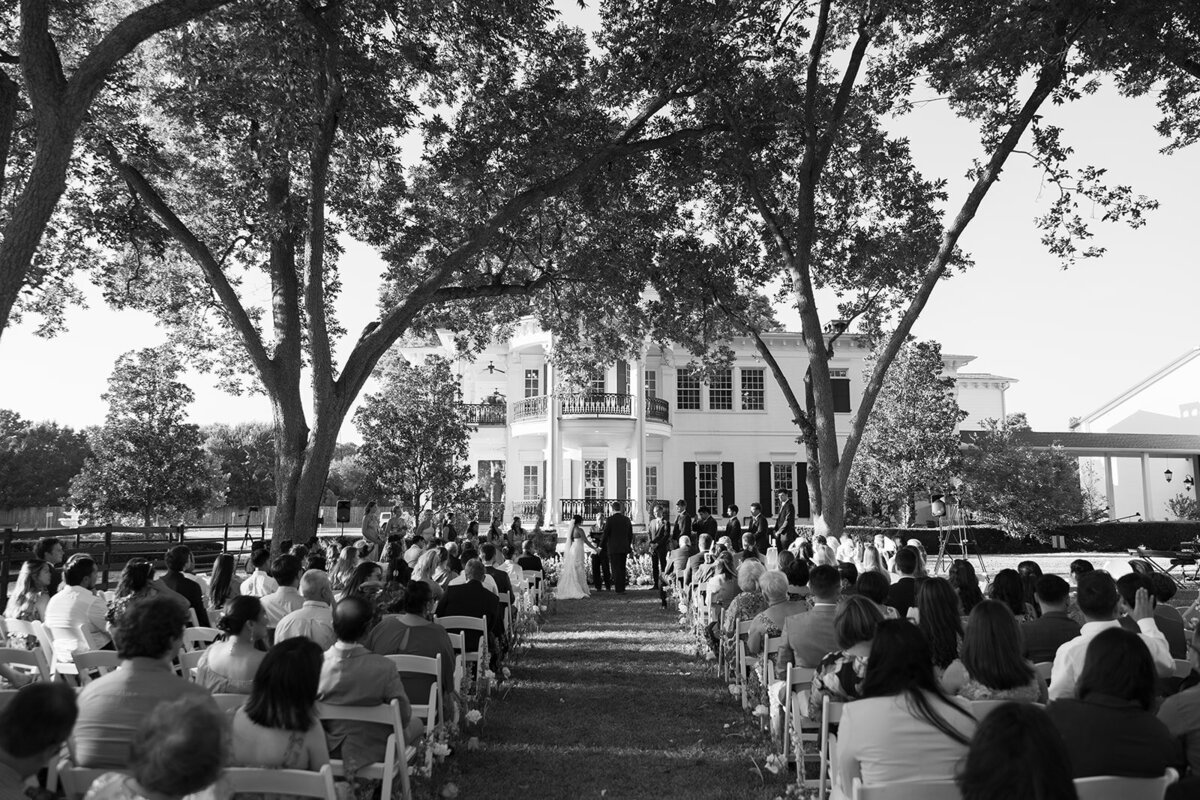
<point>553,451</point>
<point>1147,495</point>
<point>637,488</point>
<point>1110,493</point>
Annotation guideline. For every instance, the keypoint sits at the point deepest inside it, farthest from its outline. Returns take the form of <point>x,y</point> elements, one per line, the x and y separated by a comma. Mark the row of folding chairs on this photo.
<point>293,782</point>
<point>1096,788</point>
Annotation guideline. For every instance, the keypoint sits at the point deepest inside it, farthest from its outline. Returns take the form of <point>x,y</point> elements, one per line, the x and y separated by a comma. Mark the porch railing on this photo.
<point>597,404</point>
<point>590,508</point>
<point>657,409</point>
<point>529,408</point>
<point>485,413</point>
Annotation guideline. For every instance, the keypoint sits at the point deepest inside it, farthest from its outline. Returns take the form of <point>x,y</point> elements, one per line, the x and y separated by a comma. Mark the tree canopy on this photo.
<point>37,461</point>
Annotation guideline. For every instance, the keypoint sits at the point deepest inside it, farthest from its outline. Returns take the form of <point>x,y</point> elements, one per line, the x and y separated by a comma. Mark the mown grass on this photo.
<point>610,701</point>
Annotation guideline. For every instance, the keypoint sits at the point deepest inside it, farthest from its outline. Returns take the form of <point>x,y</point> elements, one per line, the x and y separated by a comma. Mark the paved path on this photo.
<point>610,702</point>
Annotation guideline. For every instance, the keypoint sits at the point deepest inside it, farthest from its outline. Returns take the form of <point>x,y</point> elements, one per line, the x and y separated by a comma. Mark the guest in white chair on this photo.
<point>315,618</point>
<point>229,665</point>
<point>1017,752</point>
<point>278,726</point>
<point>33,727</point>
<point>78,608</point>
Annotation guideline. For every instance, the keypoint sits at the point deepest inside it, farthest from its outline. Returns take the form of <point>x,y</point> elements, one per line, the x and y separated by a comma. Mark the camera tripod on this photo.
<point>955,534</point>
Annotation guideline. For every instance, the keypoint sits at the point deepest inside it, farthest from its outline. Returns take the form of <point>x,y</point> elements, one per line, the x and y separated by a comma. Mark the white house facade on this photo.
<point>648,430</point>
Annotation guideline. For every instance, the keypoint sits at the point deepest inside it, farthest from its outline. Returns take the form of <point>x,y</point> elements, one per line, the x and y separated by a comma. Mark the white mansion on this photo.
<point>648,431</point>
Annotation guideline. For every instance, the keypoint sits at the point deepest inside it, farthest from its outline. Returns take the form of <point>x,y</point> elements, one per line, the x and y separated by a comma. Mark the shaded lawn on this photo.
<point>619,709</point>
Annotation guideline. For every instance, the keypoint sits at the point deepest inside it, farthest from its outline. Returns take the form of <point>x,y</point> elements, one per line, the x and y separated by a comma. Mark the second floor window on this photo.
<point>720,391</point>
<point>652,383</point>
<point>687,396</point>
<point>753,390</point>
<point>708,487</point>
<point>596,384</point>
<point>531,485</point>
<point>532,383</point>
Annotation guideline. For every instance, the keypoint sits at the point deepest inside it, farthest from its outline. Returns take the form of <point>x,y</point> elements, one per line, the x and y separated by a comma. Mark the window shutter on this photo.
<point>622,377</point>
<point>803,507</point>
<point>726,488</point>
<point>841,395</point>
<point>689,486</point>
<point>545,478</point>
<point>622,486</point>
<point>546,378</point>
<point>764,488</point>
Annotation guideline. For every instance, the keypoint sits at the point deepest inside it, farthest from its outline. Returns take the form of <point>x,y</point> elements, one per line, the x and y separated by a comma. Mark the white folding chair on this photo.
<point>906,790</point>
<point>229,703</point>
<point>196,638</point>
<point>188,663</point>
<point>98,661</point>
<point>395,761</point>
<point>298,782</point>
<point>459,642</point>
<point>1183,668</point>
<point>534,578</point>
<point>770,647</point>
<point>430,711</point>
<point>28,662</point>
<point>741,631</point>
<point>75,780</point>
<point>1044,669</point>
<point>981,708</point>
<point>36,630</point>
<point>459,624</point>
<point>1109,787</point>
<point>64,641</point>
<point>193,620</point>
<point>506,612</point>
<point>831,714</point>
<point>798,683</point>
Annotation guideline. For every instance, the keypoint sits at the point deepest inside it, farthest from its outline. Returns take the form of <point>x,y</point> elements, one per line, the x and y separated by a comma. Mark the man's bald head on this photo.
<point>314,585</point>
<point>352,619</point>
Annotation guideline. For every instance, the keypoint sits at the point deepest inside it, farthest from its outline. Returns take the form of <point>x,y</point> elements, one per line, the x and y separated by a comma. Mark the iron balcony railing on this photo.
<point>485,413</point>
<point>590,508</point>
<point>606,404</point>
<point>529,408</point>
<point>590,404</point>
<point>657,409</point>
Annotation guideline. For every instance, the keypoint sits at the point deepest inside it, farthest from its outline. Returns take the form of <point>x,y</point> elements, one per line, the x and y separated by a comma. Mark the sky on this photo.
<point>1072,339</point>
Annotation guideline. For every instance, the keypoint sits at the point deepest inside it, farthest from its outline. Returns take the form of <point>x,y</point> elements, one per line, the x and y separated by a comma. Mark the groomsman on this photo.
<point>758,529</point>
<point>683,523</point>
<point>785,521</point>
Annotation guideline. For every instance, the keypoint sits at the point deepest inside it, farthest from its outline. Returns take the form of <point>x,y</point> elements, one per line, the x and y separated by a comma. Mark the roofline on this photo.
<point>1139,387</point>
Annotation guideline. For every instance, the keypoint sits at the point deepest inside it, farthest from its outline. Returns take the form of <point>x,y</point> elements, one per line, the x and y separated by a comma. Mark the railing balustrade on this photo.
<point>529,408</point>
<point>485,413</point>
<point>597,404</point>
<point>657,408</point>
<point>590,508</point>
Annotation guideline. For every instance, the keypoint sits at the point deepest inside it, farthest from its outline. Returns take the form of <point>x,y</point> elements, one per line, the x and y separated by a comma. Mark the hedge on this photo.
<point>1102,537</point>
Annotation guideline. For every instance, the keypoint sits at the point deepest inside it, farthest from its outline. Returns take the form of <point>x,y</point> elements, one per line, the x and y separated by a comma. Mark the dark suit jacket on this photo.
<point>181,584</point>
<point>785,522</point>
<point>682,526</point>
<point>677,561</point>
<point>810,635</point>
<point>733,529</point>
<point>902,595</point>
<point>531,563</point>
<point>708,526</point>
<point>1044,635</point>
<point>503,582</point>
<point>758,527</point>
<point>618,534</point>
<point>695,569</point>
<point>660,534</point>
<point>472,599</point>
<point>1107,736</point>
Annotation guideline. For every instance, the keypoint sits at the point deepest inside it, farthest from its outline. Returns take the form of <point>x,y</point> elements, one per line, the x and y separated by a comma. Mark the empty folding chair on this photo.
<point>296,782</point>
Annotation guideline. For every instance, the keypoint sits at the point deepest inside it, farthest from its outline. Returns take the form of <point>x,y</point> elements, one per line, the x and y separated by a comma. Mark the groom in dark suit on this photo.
<point>617,540</point>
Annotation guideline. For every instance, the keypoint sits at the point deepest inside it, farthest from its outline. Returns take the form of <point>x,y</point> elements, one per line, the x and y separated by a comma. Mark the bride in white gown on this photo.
<point>572,575</point>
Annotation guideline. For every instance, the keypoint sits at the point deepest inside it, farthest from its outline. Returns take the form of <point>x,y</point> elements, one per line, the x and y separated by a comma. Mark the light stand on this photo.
<point>953,532</point>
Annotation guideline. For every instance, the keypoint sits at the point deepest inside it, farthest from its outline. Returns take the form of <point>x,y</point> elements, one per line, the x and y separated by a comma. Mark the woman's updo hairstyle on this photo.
<point>417,595</point>
<point>238,612</point>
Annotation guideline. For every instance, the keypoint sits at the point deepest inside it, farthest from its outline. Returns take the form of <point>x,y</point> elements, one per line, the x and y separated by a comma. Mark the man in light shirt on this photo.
<point>260,583</point>
<point>488,581</point>
<point>1100,603</point>
<point>315,618</point>
<point>287,598</point>
<point>77,608</point>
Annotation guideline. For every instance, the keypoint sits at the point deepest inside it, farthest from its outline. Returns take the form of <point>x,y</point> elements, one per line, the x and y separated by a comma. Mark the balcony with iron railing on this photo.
<point>590,404</point>
<point>530,408</point>
<point>485,413</point>
<point>590,508</point>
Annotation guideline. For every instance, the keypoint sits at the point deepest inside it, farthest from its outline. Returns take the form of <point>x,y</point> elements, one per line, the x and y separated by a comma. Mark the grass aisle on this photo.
<point>610,701</point>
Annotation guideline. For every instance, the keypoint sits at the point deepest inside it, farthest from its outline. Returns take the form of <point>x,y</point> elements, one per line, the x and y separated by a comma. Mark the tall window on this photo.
<point>753,390</point>
<point>782,480</point>
<point>594,479</point>
<point>491,478</point>
<point>652,383</point>
<point>651,484</point>
<point>720,391</point>
<point>596,384</point>
<point>708,486</point>
<point>533,379</point>
<point>531,485</point>
<point>687,396</point>
<point>841,390</point>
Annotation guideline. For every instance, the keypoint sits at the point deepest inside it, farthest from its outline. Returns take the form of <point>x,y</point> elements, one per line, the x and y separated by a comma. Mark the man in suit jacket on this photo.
<point>683,522</point>
<point>705,524</point>
<point>810,636</point>
<point>660,540</point>
<point>352,675</point>
<point>617,539</point>
<point>1044,635</point>
<point>179,558</point>
<point>733,529</point>
<point>785,521</point>
<point>902,595</point>
<point>529,561</point>
<point>758,529</point>
<point>473,599</point>
<point>677,559</point>
<point>503,580</point>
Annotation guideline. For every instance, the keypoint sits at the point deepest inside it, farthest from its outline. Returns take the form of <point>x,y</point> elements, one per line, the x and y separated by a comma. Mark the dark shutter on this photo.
<point>622,377</point>
<point>689,486</point>
<point>545,378</point>
<point>764,488</point>
<point>803,508</point>
<point>841,394</point>
<point>545,478</point>
<point>622,485</point>
<point>726,488</point>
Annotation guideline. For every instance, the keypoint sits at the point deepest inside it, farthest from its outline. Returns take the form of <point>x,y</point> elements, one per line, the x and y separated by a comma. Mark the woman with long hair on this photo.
<point>1030,571</point>
<point>137,582</point>
<point>572,573</point>
<point>366,579</point>
<point>229,665</point>
<point>840,674</point>
<point>29,601</point>
<point>424,570</point>
<point>222,586</point>
<point>343,568</point>
<point>872,561</point>
<point>278,725</point>
<point>1110,727</point>
<point>991,666</point>
<point>940,618</point>
<point>443,573</point>
<point>905,727</point>
<point>1016,752</point>
<point>1008,589</point>
<point>962,577</point>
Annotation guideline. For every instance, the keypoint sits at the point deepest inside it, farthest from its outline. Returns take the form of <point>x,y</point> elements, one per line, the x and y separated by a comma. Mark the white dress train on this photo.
<point>572,576</point>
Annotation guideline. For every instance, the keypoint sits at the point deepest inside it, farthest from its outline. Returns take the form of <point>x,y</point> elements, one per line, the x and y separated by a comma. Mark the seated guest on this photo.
<point>940,618</point>
<point>228,666</point>
<point>905,727</point>
<point>287,598</point>
<point>846,550</point>
<point>76,607</point>
<point>260,583</point>
<point>1008,589</point>
<point>179,750</point>
<point>809,637</point>
<point>222,586</point>
<point>315,561</point>
<point>343,567</point>
<point>426,570</point>
<point>51,551</point>
<point>278,726</point>
<point>32,594</point>
<point>722,586</point>
<point>136,584</point>
<point>473,599</point>
<point>780,607</point>
<point>1044,635</point>
<point>962,577</point>
<point>397,572</point>
<point>1109,729</point>
<point>696,561</point>
<point>33,727</point>
<point>1016,752</point>
<point>1181,712</point>
<point>113,706</point>
<point>749,550</point>
<point>491,558</point>
<point>354,676</point>
<point>748,603</point>
<point>677,559</point>
<point>528,560</point>
<point>516,574</point>
<point>839,675</point>
<point>796,572</point>
<point>1079,568</point>
<point>903,592</point>
<point>874,585</point>
<point>453,561</point>
<point>849,575</point>
<point>1171,625</point>
<point>314,619</point>
<point>365,581</point>
<point>409,629</point>
<point>179,563</point>
<point>1099,602</point>
<point>1030,571</point>
<point>1168,618</point>
<point>442,572</point>
<point>873,561</point>
<point>991,667</point>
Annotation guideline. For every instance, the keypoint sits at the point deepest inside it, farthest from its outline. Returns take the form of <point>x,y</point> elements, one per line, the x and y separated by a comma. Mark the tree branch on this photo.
<point>10,94</point>
<point>450,293</point>
<point>44,79</point>
<point>845,90</point>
